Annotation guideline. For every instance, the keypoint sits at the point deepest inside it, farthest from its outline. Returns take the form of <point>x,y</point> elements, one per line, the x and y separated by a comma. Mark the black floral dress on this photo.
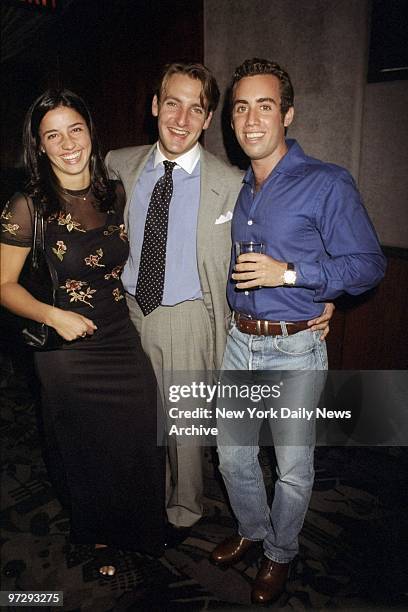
<point>99,397</point>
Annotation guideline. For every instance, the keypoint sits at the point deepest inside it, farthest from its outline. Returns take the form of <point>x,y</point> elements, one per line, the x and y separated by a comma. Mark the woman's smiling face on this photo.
<point>65,139</point>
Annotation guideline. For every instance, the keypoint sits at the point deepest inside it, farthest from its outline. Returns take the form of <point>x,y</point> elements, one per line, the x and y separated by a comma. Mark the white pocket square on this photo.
<point>224,218</point>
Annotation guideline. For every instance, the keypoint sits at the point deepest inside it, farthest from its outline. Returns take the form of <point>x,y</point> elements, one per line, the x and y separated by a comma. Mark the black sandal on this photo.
<point>105,556</point>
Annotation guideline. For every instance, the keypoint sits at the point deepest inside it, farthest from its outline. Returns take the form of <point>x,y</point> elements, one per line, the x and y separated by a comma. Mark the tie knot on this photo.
<point>168,166</point>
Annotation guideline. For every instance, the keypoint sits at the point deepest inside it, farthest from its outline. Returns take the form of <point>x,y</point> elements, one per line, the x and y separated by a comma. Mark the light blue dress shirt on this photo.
<point>181,281</point>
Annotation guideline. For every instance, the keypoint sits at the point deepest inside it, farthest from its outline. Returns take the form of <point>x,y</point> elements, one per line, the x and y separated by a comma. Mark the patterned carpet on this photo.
<point>354,544</point>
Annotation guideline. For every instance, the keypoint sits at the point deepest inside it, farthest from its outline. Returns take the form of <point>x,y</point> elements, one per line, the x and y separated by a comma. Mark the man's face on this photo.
<point>181,116</point>
<point>256,117</point>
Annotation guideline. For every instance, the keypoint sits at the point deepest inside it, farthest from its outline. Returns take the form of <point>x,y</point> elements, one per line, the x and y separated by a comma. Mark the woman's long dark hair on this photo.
<point>43,184</point>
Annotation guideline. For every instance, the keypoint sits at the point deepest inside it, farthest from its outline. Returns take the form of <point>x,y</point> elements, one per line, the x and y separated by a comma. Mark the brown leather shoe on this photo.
<point>230,551</point>
<point>269,582</point>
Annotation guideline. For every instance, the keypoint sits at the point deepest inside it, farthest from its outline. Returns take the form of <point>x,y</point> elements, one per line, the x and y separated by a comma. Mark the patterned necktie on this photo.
<point>150,282</point>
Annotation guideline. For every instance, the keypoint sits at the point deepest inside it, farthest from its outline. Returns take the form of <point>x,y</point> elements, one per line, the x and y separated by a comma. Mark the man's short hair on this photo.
<point>210,94</point>
<point>255,66</point>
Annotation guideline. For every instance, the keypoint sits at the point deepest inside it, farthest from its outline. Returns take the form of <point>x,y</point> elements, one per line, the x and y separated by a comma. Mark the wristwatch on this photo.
<point>289,276</point>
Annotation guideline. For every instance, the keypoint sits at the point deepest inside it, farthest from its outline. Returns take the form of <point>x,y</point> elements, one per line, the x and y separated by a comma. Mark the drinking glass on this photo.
<point>248,246</point>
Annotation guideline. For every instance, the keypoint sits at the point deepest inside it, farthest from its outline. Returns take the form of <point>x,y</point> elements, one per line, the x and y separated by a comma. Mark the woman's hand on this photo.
<point>70,325</point>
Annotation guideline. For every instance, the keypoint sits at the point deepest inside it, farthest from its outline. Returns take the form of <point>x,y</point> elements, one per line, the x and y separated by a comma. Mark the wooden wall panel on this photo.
<point>370,332</point>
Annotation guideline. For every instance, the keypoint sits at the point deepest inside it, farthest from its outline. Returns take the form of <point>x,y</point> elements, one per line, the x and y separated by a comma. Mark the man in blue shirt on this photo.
<point>319,243</point>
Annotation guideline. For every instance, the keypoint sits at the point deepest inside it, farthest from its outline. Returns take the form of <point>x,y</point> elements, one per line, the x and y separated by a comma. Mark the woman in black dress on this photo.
<point>98,389</point>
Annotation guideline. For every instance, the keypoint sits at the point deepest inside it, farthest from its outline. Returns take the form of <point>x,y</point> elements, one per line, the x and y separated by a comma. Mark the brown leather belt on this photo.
<point>259,327</point>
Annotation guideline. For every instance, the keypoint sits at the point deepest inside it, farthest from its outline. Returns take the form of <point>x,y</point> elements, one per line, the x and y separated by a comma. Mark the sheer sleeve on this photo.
<point>17,221</point>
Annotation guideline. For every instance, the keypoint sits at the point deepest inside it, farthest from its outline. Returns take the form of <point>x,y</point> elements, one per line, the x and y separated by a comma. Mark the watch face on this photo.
<point>289,277</point>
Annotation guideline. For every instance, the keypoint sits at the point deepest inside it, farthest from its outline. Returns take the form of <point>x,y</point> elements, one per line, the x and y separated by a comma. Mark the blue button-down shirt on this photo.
<point>181,281</point>
<point>310,213</point>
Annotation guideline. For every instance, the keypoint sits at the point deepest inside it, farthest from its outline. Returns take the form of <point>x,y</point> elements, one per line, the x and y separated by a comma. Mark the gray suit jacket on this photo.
<point>220,185</point>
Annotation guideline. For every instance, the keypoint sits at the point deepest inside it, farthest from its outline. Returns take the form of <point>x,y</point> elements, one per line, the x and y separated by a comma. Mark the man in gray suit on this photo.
<point>187,331</point>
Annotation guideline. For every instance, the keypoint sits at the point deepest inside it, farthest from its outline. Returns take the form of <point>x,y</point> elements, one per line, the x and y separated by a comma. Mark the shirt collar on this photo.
<point>187,161</point>
<point>294,163</point>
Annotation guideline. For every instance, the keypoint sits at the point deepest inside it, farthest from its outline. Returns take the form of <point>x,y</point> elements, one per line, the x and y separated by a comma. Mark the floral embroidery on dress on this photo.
<point>6,214</point>
<point>74,290</point>
<point>67,220</point>
<point>11,228</point>
<point>116,228</point>
<point>118,295</point>
<point>60,250</point>
<point>122,232</point>
<point>93,260</point>
<point>115,273</point>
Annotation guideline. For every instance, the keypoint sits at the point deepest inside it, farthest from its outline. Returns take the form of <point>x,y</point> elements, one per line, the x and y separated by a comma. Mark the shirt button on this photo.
<point>250,222</point>
<point>246,292</point>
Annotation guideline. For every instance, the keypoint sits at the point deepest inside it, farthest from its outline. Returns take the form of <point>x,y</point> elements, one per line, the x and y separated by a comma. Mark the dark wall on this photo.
<point>123,46</point>
<point>108,52</point>
<point>370,332</point>
<point>376,331</point>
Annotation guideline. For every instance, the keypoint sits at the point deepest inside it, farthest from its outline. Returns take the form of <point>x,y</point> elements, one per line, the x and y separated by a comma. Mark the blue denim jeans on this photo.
<point>279,526</point>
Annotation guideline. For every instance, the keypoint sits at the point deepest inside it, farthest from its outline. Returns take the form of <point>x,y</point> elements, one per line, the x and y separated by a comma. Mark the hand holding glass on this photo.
<point>244,246</point>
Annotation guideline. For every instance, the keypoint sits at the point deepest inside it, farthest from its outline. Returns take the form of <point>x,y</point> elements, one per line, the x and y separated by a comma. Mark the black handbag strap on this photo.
<point>38,243</point>
<point>38,234</point>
